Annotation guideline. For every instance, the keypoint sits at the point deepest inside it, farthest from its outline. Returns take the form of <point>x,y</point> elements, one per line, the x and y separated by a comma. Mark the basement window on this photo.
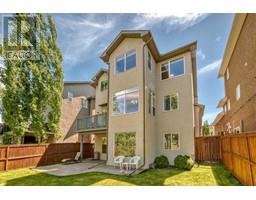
<point>171,141</point>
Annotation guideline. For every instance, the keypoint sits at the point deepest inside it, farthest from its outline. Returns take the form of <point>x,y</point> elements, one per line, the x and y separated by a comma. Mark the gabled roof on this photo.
<point>76,82</point>
<point>96,77</point>
<point>233,37</point>
<point>222,102</point>
<point>147,37</point>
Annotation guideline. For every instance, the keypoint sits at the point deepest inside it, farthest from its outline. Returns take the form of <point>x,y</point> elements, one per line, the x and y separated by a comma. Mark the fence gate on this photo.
<point>208,148</point>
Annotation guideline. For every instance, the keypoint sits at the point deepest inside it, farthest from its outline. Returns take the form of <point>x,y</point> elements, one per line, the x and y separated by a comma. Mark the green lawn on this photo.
<point>214,174</point>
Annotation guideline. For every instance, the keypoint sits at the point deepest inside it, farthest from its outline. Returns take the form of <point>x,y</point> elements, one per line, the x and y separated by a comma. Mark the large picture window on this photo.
<point>171,141</point>
<point>125,144</point>
<point>172,69</point>
<point>126,101</point>
<point>171,102</point>
<point>126,62</point>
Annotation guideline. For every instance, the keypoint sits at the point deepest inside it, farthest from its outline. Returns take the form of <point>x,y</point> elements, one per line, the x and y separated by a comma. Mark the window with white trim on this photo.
<point>165,71</point>
<point>225,108</point>
<point>103,85</point>
<point>126,101</point>
<point>238,92</point>
<point>152,102</point>
<point>126,62</point>
<point>227,74</point>
<point>172,68</point>
<point>171,141</point>
<point>171,102</point>
<point>228,105</point>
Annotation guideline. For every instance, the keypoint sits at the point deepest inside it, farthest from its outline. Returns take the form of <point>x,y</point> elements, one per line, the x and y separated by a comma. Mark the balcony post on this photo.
<point>81,146</point>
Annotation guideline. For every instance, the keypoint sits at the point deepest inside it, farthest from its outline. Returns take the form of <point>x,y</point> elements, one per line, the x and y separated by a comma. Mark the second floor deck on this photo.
<point>91,123</point>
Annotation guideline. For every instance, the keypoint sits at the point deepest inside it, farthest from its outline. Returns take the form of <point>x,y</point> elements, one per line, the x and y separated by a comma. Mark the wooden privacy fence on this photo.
<point>237,152</point>
<point>21,156</point>
<point>208,148</point>
<point>239,156</point>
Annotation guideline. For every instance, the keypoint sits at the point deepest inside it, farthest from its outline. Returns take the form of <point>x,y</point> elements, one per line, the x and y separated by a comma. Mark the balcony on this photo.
<point>95,122</point>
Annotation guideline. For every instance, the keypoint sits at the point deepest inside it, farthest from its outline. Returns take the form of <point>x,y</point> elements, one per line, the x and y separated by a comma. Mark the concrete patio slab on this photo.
<point>83,167</point>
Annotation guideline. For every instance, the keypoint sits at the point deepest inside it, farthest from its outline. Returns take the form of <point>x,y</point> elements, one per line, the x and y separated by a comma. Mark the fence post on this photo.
<point>220,149</point>
<point>7,157</point>
<point>249,155</point>
<point>81,146</point>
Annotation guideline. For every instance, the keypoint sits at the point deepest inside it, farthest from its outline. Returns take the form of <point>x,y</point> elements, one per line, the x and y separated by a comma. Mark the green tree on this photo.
<point>32,95</point>
<point>206,129</point>
<point>16,93</point>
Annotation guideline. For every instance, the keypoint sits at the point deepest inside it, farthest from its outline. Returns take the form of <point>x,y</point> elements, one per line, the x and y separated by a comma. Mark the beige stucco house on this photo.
<point>146,103</point>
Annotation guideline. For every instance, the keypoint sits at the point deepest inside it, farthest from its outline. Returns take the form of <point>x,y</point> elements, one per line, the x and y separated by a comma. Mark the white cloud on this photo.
<point>210,116</point>
<point>177,21</point>
<point>218,39</point>
<point>80,36</point>
<point>210,67</point>
<point>201,54</point>
<point>98,25</point>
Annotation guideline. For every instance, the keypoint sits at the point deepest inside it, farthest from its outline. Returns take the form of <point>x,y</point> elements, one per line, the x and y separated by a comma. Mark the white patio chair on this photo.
<point>135,161</point>
<point>126,163</point>
<point>119,161</point>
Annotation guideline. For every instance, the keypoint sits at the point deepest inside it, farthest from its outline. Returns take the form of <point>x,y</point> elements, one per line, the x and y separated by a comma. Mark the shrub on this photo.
<point>161,162</point>
<point>183,162</point>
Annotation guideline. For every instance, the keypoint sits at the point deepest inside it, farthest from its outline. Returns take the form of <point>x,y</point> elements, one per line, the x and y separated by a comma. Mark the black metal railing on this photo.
<point>92,122</point>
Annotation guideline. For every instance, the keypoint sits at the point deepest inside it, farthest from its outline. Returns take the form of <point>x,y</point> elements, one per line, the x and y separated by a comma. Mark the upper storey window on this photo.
<point>103,85</point>
<point>149,61</point>
<point>126,62</point>
<point>227,74</point>
<point>172,68</point>
<point>238,92</point>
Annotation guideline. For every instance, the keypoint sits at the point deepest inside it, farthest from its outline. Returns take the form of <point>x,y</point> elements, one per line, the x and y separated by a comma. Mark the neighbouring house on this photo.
<point>146,103</point>
<point>238,69</point>
<point>78,102</point>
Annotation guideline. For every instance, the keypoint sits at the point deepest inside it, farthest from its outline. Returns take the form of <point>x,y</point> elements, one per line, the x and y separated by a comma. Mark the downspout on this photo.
<point>108,110</point>
<point>144,113</point>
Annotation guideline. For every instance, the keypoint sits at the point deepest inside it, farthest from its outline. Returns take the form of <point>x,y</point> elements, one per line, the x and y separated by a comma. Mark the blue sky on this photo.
<point>83,37</point>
